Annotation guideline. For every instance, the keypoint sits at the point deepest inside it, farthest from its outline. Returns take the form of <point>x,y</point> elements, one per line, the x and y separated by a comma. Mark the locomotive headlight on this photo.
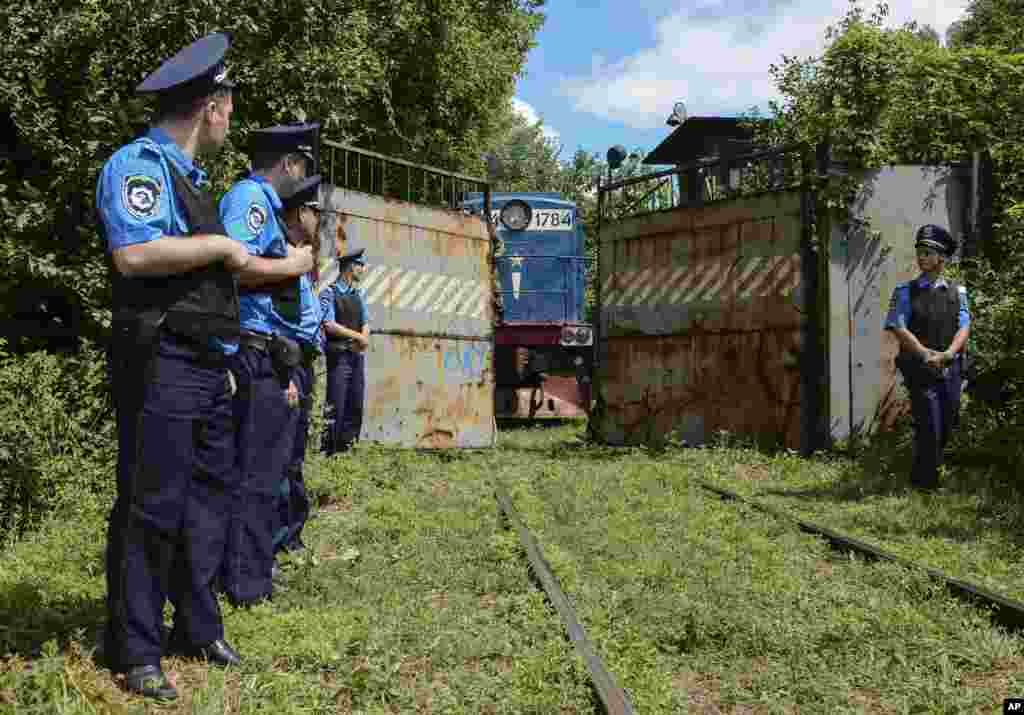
<point>568,336</point>
<point>583,336</point>
<point>516,215</point>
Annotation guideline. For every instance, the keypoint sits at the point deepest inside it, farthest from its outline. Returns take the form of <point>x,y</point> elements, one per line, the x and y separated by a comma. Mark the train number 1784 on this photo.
<point>544,220</point>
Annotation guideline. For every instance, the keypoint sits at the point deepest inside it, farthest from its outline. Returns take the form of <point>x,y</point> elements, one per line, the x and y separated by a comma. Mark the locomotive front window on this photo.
<point>516,215</point>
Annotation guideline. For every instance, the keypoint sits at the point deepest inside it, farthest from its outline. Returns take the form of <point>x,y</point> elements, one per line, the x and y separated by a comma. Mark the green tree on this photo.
<point>416,79</point>
<point>996,24</point>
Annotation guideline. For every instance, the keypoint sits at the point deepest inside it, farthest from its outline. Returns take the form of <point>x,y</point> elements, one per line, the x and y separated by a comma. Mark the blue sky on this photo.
<point>608,72</point>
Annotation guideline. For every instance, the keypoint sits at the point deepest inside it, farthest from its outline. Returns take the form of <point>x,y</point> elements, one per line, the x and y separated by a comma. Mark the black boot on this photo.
<point>149,681</point>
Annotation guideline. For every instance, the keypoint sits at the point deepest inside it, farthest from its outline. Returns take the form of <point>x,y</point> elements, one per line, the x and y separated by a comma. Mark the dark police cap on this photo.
<point>301,193</point>
<point>352,257</point>
<point>196,71</point>
<point>286,139</point>
<point>935,237</point>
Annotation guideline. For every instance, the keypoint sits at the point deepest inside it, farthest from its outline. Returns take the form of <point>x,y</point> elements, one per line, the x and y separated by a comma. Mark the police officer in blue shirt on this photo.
<point>930,318</point>
<point>302,221</point>
<point>347,330</point>
<point>175,317</point>
<point>271,307</point>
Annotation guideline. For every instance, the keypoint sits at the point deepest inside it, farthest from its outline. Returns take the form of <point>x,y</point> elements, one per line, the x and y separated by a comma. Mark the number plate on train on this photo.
<point>543,220</point>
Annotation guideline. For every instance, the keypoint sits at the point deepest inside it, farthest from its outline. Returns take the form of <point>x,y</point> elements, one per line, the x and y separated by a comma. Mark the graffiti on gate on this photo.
<point>469,361</point>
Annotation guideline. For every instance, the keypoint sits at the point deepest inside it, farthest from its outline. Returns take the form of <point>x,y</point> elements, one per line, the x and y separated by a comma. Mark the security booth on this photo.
<point>723,307</point>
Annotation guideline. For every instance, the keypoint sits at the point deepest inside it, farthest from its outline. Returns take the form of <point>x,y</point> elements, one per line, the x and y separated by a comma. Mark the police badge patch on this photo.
<point>140,195</point>
<point>256,217</point>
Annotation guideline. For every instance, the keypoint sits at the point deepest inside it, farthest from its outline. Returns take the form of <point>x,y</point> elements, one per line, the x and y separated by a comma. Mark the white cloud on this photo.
<point>714,56</point>
<point>530,114</point>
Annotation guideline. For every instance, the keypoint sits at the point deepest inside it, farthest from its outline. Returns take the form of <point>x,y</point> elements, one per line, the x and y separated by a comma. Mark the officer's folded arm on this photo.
<point>340,331</point>
<point>909,342</point>
<point>168,255</point>
<point>262,271</point>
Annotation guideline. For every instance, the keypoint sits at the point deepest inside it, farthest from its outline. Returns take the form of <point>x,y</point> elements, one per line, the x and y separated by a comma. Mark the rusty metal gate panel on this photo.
<point>867,390</point>
<point>700,326</point>
<point>429,376</point>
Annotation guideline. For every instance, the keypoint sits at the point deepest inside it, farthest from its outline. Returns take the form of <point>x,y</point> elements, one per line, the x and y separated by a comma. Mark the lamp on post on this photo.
<point>678,115</point>
<point>616,155</point>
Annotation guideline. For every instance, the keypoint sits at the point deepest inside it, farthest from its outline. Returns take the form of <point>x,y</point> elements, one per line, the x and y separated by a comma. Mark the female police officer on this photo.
<point>175,317</point>
<point>930,318</point>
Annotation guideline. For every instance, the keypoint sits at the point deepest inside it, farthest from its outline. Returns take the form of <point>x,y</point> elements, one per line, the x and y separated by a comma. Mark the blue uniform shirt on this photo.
<point>339,288</point>
<point>899,305</point>
<point>308,330</point>
<point>249,213</point>
<point>135,195</point>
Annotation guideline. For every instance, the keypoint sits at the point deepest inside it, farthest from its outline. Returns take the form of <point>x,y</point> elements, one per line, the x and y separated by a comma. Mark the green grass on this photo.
<point>413,598</point>
<point>694,601</point>
<point>972,528</point>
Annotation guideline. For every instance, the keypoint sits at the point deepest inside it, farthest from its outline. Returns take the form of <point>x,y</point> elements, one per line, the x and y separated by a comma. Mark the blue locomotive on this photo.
<point>543,346</point>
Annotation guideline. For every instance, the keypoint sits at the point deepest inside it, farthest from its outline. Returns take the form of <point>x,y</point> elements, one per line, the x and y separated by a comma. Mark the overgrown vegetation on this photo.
<point>56,433</point>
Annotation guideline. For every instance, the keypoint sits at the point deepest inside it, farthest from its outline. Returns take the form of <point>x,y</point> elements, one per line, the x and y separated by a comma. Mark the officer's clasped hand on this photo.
<point>302,257</point>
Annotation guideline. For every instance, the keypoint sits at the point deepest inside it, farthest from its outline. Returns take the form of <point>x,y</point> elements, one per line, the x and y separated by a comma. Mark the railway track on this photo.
<point>614,699</point>
<point>1005,611</point>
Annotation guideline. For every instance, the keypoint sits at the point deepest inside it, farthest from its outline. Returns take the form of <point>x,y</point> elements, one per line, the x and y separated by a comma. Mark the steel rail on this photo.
<point>436,171</point>
<point>613,698</point>
<point>1006,611</point>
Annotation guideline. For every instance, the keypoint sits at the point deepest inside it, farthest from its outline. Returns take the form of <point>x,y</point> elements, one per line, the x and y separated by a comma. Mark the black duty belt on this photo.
<point>256,341</point>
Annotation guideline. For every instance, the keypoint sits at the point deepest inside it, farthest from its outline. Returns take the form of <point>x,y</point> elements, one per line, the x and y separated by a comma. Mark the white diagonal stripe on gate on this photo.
<point>384,290</point>
<point>413,290</point>
<point>635,284</point>
<point>399,287</point>
<point>379,280</point>
<point>427,291</point>
<point>445,300</point>
<point>647,285</point>
<point>669,279</point>
<point>480,309</point>
<point>717,277</point>
<point>460,303</point>
<point>746,280</point>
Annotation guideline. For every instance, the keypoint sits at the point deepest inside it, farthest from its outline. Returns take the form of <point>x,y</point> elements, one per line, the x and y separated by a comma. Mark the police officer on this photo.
<point>175,317</point>
<point>347,331</point>
<point>271,306</point>
<point>302,221</point>
<point>930,318</point>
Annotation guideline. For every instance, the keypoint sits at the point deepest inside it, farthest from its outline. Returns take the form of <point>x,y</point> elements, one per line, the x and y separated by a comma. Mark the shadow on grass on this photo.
<point>26,624</point>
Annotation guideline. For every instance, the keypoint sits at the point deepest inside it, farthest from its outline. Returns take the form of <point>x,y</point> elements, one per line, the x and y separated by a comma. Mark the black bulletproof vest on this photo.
<point>198,304</point>
<point>346,314</point>
<point>934,314</point>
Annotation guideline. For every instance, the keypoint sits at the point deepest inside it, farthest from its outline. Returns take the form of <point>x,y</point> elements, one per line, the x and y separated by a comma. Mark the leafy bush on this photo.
<point>56,437</point>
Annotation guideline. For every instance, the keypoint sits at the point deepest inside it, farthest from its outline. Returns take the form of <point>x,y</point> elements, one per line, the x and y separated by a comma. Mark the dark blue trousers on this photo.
<point>346,393</point>
<point>935,404</point>
<point>175,476</point>
<point>264,431</point>
<point>293,504</point>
